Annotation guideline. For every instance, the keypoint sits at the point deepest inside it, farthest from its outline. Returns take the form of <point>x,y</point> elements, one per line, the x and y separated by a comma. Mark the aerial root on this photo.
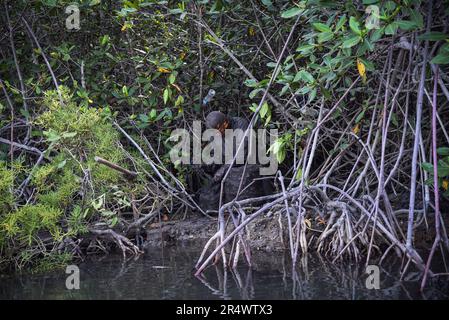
<point>343,230</point>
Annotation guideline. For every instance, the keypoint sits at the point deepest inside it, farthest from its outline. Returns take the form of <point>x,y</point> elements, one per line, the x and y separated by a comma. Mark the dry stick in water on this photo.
<point>419,103</point>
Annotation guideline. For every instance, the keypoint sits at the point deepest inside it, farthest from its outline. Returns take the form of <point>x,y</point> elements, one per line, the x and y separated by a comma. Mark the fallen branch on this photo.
<point>21,146</point>
<point>123,242</point>
<point>128,174</point>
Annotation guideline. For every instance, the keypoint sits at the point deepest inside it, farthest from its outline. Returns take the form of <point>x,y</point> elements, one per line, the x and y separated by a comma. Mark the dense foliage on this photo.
<point>351,66</point>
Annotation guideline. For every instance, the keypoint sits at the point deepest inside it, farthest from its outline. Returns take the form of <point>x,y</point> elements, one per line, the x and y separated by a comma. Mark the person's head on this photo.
<point>217,120</point>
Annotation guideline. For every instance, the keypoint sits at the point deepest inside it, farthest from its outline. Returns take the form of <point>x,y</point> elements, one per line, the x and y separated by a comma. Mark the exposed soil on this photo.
<point>263,232</point>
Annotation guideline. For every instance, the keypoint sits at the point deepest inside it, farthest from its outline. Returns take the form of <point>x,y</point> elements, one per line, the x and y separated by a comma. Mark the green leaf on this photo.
<point>97,204</point>
<point>350,42</point>
<point>51,135</point>
<point>268,119</point>
<point>406,25</point>
<point>251,83</point>
<point>312,95</point>
<point>391,28</point>
<point>143,117</point>
<point>104,39</point>
<point>162,114</point>
<point>49,3</point>
<point>305,48</point>
<point>280,156</point>
<point>441,58</point>
<point>267,3</point>
<point>68,134</point>
<point>254,92</point>
<point>284,90</point>
<point>107,213</point>
<point>61,164</point>
<point>321,27</point>
<point>427,166</point>
<point>355,26</point>
<point>417,18</point>
<point>304,76</point>
<point>377,34</point>
<point>176,11</point>
<point>113,221</point>
<point>166,95</point>
<point>433,36</point>
<point>125,91</point>
<point>442,171</point>
<point>360,116</point>
<point>253,107</point>
<point>276,146</point>
<point>341,22</point>
<point>368,64</point>
<point>291,12</point>
<point>172,78</point>
<point>24,112</point>
<point>443,151</point>
<point>299,174</point>
<point>325,36</point>
<point>390,5</point>
<point>303,90</point>
<point>179,101</point>
<point>264,109</point>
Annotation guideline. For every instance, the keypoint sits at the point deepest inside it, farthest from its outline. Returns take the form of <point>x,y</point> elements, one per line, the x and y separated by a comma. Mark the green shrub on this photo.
<point>6,195</point>
<point>23,224</point>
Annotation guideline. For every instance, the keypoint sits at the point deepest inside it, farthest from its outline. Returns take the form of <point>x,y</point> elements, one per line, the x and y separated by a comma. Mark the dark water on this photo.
<point>167,274</point>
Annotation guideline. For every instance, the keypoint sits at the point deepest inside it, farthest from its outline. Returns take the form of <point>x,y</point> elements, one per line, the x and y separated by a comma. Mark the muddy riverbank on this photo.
<point>264,233</point>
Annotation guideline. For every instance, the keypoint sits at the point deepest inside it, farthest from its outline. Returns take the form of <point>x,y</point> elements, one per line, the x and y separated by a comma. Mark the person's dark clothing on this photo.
<point>209,195</point>
<point>238,123</point>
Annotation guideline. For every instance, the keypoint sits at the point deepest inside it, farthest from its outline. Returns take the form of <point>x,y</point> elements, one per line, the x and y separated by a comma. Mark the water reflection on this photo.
<point>166,273</point>
<point>244,285</point>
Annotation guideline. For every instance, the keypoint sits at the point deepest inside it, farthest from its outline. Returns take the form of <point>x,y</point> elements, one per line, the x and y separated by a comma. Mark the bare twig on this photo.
<point>128,174</point>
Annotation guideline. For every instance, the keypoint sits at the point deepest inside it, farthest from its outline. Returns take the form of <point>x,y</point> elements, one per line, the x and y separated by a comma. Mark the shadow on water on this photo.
<point>166,273</point>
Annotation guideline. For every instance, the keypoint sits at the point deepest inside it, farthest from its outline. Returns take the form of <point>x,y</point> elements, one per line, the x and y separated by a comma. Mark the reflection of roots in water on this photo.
<point>342,280</point>
<point>244,285</point>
